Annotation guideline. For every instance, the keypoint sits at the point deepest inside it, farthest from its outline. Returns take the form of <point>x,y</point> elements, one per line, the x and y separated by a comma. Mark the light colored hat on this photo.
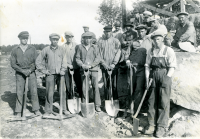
<point>154,18</point>
<point>68,33</point>
<point>87,34</point>
<point>147,13</point>
<point>157,33</point>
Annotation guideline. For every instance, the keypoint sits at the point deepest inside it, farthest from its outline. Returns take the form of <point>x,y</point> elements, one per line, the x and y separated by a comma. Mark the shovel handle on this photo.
<point>86,72</point>
<point>143,98</point>
<point>111,93</point>
<point>71,71</point>
<point>61,91</point>
<point>23,113</point>
<point>131,86</point>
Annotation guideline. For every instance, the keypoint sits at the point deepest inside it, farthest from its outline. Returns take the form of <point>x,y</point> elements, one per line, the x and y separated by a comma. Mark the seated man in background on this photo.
<point>185,32</point>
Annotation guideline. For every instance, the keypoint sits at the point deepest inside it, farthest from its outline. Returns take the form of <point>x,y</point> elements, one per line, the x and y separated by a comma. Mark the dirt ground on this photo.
<point>76,127</point>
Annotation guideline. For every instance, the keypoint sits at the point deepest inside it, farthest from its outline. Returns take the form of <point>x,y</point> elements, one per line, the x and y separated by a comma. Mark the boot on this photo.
<point>65,112</point>
<point>37,112</point>
<point>160,132</point>
<point>98,109</point>
<point>149,130</point>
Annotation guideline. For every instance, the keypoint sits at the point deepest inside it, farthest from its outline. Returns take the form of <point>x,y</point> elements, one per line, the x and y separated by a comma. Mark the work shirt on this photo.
<point>146,43</point>
<point>169,56</point>
<point>109,50</point>
<point>55,60</point>
<point>118,35</point>
<point>70,51</point>
<point>185,33</point>
<point>138,57</point>
<point>20,60</point>
<point>88,57</point>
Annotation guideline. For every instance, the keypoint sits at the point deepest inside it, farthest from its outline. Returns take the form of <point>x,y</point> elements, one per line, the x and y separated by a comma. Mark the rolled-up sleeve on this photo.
<point>171,58</point>
<point>148,58</point>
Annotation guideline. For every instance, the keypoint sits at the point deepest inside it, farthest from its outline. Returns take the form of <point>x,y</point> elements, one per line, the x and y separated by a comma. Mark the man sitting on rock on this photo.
<point>185,37</point>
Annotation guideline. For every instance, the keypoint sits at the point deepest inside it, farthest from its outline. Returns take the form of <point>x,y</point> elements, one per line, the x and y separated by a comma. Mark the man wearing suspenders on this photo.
<point>162,60</point>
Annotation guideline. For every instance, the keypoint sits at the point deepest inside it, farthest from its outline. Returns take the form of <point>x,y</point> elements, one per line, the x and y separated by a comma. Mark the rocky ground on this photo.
<point>182,123</point>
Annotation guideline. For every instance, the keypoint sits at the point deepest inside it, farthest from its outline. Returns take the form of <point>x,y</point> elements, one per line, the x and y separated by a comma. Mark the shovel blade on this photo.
<point>135,125</point>
<point>74,105</point>
<point>112,109</point>
<point>87,110</point>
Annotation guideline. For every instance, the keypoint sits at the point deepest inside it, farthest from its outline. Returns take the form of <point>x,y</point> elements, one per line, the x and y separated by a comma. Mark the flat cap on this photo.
<point>85,26</point>
<point>23,34</point>
<point>54,35</point>
<point>68,33</point>
<point>154,18</point>
<point>141,26</point>
<point>157,33</point>
<point>108,28</point>
<point>87,34</point>
<point>182,13</point>
<point>147,13</point>
<point>129,24</point>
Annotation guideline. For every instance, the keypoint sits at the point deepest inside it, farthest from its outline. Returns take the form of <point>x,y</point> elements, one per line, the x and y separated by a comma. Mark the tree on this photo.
<point>109,12</point>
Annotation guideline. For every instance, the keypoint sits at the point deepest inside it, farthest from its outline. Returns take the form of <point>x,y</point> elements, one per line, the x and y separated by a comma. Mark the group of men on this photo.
<point>144,50</point>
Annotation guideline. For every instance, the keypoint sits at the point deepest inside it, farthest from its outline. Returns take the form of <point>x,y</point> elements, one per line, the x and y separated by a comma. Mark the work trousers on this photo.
<point>20,88</point>
<point>159,100</point>
<point>138,85</point>
<point>50,89</point>
<point>93,75</point>
<point>106,81</point>
<point>77,81</point>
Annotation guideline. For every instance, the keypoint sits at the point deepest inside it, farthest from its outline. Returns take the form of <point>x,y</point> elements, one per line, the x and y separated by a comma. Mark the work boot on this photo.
<point>18,114</point>
<point>149,130</point>
<point>37,112</point>
<point>160,132</point>
<point>46,114</point>
<point>65,112</point>
<point>98,109</point>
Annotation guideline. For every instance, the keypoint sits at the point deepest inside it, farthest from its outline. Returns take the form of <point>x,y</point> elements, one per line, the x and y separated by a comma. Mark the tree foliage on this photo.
<point>110,11</point>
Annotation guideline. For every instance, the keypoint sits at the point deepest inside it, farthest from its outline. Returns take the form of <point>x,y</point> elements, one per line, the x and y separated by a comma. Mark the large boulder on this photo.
<point>186,81</point>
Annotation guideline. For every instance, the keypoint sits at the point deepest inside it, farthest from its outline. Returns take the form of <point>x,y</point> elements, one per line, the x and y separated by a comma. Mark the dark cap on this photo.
<point>87,34</point>
<point>54,35</point>
<point>157,33</point>
<point>108,28</point>
<point>23,34</point>
<point>141,27</point>
<point>129,25</point>
<point>182,13</point>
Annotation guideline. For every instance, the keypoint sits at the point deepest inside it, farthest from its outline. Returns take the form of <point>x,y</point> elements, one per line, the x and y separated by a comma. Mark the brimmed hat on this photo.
<point>85,26</point>
<point>23,34</point>
<point>153,18</point>
<point>87,34</point>
<point>117,24</point>
<point>68,33</point>
<point>157,33</point>
<point>108,28</point>
<point>54,35</point>
<point>182,13</point>
<point>141,27</point>
<point>147,13</point>
<point>129,25</point>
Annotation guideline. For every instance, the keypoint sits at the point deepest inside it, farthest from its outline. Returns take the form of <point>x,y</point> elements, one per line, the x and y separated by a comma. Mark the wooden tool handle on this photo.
<point>61,91</point>
<point>86,72</point>
<point>143,97</point>
<point>111,94</point>
<point>23,113</point>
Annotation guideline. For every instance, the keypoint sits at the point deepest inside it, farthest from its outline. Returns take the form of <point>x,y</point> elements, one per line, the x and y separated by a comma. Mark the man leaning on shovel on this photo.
<point>87,58</point>
<point>162,60</point>
<point>23,62</point>
<point>56,65</point>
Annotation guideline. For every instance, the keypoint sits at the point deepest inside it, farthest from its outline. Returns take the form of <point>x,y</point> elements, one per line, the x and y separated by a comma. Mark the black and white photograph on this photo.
<point>99,69</point>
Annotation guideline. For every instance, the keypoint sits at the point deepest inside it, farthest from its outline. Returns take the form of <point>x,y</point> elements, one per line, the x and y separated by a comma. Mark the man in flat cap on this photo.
<point>117,33</point>
<point>86,29</point>
<point>162,60</point>
<point>110,55</point>
<point>87,58</point>
<point>185,34</point>
<point>22,60</point>
<point>54,67</point>
<point>70,50</point>
<point>146,16</point>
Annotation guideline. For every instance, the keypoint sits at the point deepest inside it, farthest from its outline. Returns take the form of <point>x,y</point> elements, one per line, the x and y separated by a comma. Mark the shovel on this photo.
<point>135,120</point>
<point>111,105</point>
<point>74,105</point>
<point>59,116</point>
<point>87,109</point>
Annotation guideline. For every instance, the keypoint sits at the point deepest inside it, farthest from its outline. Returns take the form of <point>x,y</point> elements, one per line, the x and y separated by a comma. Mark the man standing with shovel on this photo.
<point>56,65</point>
<point>87,58</point>
<point>23,62</point>
<point>110,54</point>
<point>162,60</point>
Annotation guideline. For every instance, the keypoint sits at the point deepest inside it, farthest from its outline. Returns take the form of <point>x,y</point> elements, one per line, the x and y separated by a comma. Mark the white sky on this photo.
<point>43,17</point>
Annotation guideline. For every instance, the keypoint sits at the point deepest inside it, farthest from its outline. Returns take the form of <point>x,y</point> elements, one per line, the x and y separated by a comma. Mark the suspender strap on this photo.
<point>165,50</point>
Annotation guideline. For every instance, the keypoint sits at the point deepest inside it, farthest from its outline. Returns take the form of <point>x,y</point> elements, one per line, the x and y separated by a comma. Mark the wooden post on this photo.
<point>182,5</point>
<point>123,13</point>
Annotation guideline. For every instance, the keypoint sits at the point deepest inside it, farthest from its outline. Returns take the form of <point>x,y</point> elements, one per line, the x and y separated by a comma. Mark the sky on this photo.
<point>43,17</point>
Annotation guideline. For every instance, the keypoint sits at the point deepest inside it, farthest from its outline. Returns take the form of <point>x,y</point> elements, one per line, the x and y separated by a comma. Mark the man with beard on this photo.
<point>56,65</point>
<point>22,60</point>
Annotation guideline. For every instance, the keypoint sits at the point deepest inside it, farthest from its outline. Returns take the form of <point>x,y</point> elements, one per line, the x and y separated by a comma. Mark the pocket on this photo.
<point>166,81</point>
